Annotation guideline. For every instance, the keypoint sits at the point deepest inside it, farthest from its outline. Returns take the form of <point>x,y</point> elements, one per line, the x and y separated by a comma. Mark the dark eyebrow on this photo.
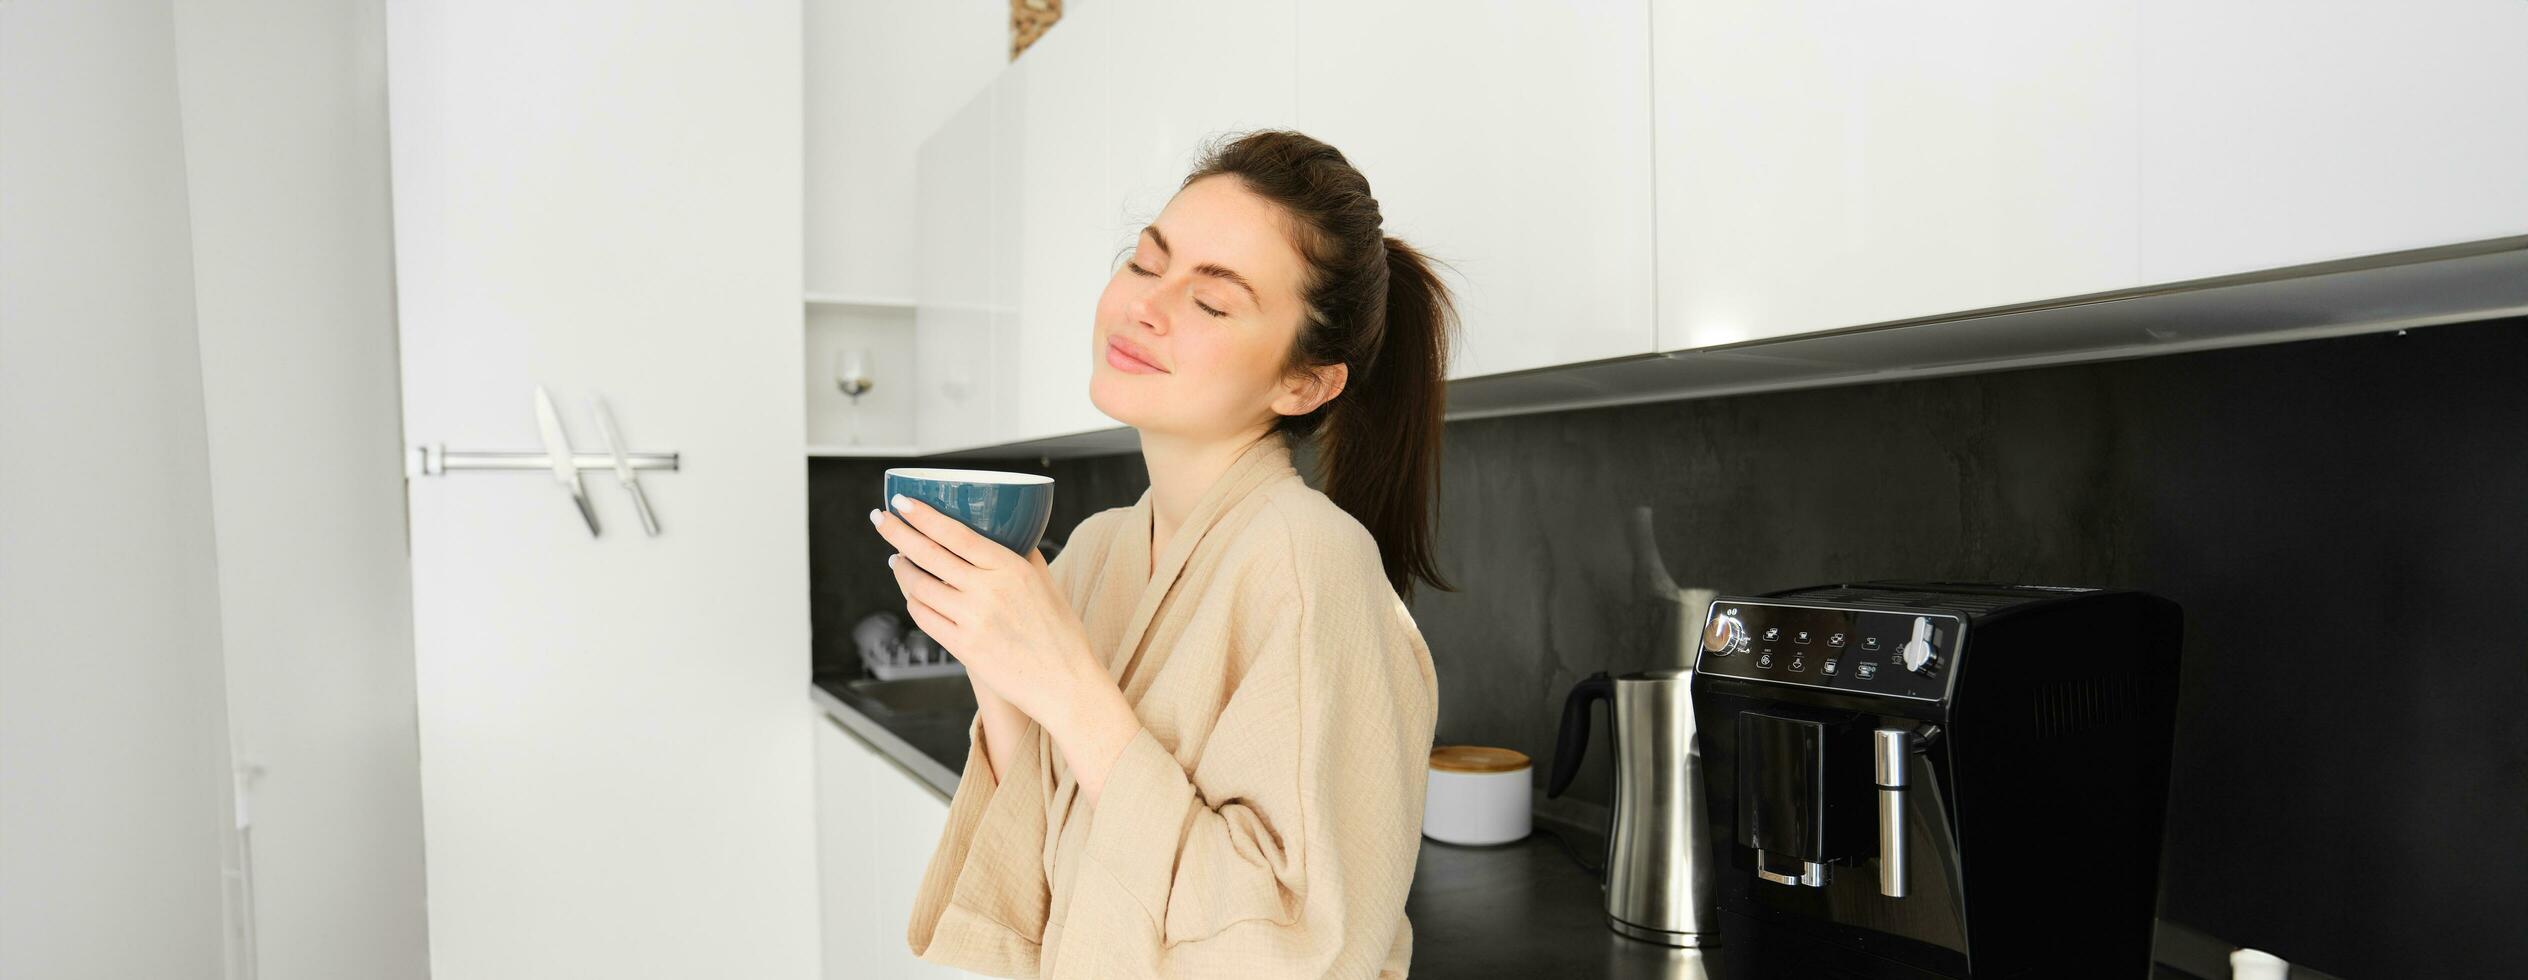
<point>1209,269</point>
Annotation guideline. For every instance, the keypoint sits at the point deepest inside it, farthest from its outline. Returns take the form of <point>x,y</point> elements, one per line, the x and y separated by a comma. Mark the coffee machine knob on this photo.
<point>1726,635</point>
<point>1917,654</point>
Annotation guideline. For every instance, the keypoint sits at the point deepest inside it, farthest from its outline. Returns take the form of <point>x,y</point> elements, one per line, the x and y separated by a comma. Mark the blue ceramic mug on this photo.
<point>1010,508</point>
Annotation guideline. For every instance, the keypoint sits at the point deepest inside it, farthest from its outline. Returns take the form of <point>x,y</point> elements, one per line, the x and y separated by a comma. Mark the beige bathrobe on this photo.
<point>1266,820</point>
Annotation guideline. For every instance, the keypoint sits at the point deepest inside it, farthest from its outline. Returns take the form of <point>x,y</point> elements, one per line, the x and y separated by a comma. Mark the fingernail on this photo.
<point>890,561</point>
<point>900,501</point>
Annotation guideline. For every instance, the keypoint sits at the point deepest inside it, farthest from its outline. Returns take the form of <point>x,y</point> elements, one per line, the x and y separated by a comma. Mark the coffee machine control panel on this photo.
<point>1884,652</point>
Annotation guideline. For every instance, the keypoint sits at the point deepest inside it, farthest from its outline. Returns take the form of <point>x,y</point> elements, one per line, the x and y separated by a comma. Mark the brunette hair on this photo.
<point>1372,304</point>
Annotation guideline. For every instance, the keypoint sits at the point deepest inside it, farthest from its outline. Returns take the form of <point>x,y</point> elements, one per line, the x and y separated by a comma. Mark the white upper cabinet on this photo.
<point>1511,141</point>
<point>2276,133</point>
<point>1119,97</point>
<point>1180,72</point>
<point>880,77</point>
<point>1068,224</point>
<point>1825,164</point>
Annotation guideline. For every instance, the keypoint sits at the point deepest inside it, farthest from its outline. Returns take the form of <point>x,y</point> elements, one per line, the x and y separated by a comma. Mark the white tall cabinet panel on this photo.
<point>1824,164</point>
<point>1510,140</point>
<point>876,832</point>
<point>2279,132</point>
<point>1069,223</point>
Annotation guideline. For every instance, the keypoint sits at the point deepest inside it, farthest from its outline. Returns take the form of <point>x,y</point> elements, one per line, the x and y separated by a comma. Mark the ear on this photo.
<point>1302,395</point>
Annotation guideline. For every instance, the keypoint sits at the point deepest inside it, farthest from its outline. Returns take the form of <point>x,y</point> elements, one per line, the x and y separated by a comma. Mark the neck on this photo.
<point>1180,470</point>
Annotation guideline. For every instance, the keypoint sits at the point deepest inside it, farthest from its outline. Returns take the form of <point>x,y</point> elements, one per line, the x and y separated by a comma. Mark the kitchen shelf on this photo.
<point>902,303</point>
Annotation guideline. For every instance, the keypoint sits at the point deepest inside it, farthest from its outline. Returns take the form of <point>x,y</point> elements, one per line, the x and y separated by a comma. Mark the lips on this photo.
<point>1117,347</point>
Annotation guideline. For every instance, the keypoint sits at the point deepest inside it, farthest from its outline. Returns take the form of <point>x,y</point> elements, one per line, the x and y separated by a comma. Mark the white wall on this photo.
<point>285,144</point>
<point>113,761</point>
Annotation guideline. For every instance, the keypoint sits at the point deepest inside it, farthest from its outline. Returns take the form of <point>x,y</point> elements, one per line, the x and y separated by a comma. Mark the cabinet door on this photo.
<point>1510,140</point>
<point>954,358</point>
<point>880,77</point>
<point>847,853</point>
<point>1186,72</point>
<point>876,829</point>
<point>2277,133</point>
<point>1825,164</point>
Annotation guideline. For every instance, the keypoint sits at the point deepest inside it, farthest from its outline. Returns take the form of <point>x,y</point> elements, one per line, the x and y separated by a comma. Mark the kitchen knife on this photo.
<point>557,447</point>
<point>622,463</point>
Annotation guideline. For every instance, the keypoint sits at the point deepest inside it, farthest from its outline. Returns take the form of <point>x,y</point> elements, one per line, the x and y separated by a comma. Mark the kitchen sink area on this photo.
<point>948,695</point>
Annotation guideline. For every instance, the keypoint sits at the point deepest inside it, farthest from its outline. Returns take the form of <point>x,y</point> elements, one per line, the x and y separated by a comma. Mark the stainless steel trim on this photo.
<point>1812,874</point>
<point>1889,749</point>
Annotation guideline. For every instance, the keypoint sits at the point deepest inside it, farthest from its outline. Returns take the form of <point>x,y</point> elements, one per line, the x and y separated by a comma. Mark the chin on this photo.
<point>1118,405</point>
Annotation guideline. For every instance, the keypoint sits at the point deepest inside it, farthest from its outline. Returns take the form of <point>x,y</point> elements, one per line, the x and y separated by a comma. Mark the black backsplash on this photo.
<point>2344,521</point>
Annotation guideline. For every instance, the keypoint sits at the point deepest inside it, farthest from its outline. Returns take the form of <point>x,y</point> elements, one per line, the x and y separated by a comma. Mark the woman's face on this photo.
<point>1210,297</point>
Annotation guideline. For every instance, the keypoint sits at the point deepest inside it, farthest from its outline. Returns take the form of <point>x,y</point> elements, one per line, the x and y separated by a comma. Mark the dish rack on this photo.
<point>892,651</point>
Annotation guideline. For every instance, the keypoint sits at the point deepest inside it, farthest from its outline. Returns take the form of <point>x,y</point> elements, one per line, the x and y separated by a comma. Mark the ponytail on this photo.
<point>1381,445</point>
<point>1375,305</point>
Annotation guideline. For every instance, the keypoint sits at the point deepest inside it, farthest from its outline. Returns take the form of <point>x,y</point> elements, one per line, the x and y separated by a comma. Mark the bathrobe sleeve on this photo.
<point>1288,849</point>
<point>984,898</point>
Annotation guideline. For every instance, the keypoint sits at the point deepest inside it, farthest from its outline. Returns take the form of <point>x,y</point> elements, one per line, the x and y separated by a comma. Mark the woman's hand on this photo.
<point>1003,617</point>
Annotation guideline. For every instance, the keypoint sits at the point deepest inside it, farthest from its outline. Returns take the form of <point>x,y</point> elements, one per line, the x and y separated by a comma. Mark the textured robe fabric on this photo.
<point>1266,820</point>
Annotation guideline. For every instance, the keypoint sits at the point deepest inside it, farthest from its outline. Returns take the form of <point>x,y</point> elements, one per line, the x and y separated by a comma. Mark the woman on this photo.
<point>1203,731</point>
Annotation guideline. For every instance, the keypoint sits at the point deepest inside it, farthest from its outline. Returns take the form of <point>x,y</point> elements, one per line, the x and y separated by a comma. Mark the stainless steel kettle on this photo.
<point>1658,853</point>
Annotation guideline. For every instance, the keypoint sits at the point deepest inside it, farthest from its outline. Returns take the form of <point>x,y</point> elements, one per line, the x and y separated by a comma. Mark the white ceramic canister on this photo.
<point>1477,795</point>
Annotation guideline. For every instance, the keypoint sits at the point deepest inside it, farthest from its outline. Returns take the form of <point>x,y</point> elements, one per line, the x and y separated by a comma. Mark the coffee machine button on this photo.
<point>1864,671</point>
<point>1800,637</point>
<point>1834,640</point>
<point>1764,659</point>
<point>1827,668</point>
<point>1797,663</point>
<point>1869,643</point>
<point>1918,654</point>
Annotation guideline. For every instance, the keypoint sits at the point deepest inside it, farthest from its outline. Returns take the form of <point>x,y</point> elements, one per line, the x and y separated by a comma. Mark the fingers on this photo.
<point>933,625</point>
<point>977,550</point>
<point>921,548</point>
<point>919,586</point>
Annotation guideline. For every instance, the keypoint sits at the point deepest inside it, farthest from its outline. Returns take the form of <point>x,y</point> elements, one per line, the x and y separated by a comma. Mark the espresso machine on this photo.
<point>1919,780</point>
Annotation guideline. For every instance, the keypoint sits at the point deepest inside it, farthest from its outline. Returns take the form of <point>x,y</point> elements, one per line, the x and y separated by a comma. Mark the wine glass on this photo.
<point>851,374</point>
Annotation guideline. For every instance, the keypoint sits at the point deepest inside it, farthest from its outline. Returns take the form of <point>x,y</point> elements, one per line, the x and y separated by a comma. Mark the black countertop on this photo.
<point>1522,909</point>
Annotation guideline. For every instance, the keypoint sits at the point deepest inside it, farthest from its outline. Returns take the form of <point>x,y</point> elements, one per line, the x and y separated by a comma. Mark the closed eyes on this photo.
<point>1136,267</point>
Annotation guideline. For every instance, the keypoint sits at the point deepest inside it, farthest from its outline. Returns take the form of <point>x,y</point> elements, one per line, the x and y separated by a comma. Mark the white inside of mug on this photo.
<point>966,476</point>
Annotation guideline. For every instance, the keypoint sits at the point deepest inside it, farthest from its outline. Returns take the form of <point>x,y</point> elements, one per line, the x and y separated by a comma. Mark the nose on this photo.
<point>1144,309</point>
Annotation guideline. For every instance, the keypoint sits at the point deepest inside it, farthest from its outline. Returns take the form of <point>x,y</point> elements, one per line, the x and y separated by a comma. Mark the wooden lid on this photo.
<point>1476,758</point>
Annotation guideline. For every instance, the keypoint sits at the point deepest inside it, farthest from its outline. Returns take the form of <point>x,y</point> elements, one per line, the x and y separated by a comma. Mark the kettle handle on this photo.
<point>1573,742</point>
